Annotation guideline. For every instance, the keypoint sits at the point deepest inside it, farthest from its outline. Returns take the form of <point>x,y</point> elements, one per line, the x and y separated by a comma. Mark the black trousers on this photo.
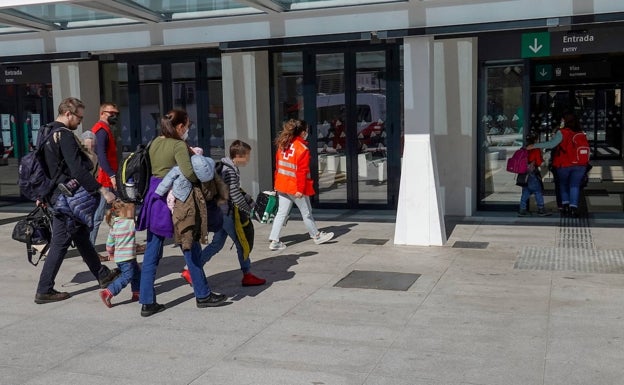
<point>61,239</point>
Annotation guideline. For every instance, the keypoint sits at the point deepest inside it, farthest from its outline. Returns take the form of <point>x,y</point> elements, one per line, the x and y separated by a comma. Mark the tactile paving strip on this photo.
<point>571,259</point>
<point>575,238</point>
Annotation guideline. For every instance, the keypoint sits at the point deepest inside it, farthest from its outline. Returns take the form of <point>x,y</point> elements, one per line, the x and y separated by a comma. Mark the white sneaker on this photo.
<point>277,246</point>
<point>323,237</point>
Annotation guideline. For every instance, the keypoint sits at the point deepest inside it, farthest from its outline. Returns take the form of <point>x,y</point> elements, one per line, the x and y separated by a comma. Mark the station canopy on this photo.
<point>52,15</point>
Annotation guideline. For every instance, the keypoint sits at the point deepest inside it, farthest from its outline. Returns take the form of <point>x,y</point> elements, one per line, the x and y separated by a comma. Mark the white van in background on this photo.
<point>371,115</point>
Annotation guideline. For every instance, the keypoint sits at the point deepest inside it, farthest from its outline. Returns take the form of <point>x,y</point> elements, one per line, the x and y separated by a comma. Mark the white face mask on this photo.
<point>304,135</point>
<point>185,136</point>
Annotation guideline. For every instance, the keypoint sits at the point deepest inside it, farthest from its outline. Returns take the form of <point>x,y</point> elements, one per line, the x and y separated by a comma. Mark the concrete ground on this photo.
<point>507,307</point>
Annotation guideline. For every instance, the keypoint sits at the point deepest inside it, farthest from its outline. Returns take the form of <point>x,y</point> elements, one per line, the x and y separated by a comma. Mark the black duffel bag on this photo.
<point>34,230</point>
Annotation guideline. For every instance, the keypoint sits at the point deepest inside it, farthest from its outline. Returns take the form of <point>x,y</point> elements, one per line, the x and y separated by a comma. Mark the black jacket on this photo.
<point>64,149</point>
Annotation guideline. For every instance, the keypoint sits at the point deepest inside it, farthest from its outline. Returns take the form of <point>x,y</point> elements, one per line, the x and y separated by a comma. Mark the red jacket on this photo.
<point>111,154</point>
<point>292,169</point>
<point>535,157</point>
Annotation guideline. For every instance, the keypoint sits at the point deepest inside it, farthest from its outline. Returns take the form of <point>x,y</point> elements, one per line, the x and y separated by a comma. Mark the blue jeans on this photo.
<point>130,274</point>
<point>98,217</point>
<point>285,203</point>
<point>570,182</point>
<point>218,241</point>
<point>151,258</point>
<point>193,259</point>
<point>533,187</point>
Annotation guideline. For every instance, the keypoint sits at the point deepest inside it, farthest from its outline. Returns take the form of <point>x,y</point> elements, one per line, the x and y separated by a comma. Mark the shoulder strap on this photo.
<point>60,160</point>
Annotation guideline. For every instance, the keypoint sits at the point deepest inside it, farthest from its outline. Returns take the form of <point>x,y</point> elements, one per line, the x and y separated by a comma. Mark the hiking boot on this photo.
<point>106,297</point>
<point>51,296</point>
<point>251,280</point>
<point>277,246</point>
<point>213,300</point>
<point>187,276</point>
<point>151,309</point>
<point>524,213</point>
<point>323,237</point>
<point>108,277</point>
<point>543,212</point>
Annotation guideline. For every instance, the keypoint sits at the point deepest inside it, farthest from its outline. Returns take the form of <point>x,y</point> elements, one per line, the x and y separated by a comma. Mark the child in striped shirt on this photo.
<point>120,246</point>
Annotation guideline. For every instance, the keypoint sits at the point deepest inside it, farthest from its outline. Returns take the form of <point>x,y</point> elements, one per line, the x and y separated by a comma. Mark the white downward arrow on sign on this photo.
<point>543,73</point>
<point>535,47</point>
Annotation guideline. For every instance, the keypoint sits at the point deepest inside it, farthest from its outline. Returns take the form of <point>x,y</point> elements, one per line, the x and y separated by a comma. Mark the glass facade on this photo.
<point>501,132</point>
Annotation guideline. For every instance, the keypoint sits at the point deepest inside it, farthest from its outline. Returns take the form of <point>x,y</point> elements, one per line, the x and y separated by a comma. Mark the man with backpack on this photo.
<point>62,152</point>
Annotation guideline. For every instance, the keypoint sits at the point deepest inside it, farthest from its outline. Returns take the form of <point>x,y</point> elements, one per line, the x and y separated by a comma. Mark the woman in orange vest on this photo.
<point>293,182</point>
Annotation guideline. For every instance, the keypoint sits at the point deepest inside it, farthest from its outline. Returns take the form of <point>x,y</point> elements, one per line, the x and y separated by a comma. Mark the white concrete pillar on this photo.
<point>246,114</point>
<point>80,80</point>
<point>420,215</point>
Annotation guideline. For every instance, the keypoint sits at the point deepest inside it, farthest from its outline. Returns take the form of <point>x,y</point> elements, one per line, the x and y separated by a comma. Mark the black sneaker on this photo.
<point>524,213</point>
<point>109,277</point>
<point>151,309</point>
<point>543,212</point>
<point>213,300</point>
<point>51,296</point>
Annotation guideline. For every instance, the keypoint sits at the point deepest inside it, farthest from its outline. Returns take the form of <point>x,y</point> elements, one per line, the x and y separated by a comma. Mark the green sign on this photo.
<point>543,72</point>
<point>535,44</point>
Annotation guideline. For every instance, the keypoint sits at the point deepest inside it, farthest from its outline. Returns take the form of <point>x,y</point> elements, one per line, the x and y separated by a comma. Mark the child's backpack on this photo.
<point>134,175</point>
<point>33,181</point>
<point>519,161</point>
<point>574,148</point>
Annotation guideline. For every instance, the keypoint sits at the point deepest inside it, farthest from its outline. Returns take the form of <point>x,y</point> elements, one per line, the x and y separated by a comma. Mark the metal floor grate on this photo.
<point>370,241</point>
<point>470,245</point>
<point>380,280</point>
<point>571,259</point>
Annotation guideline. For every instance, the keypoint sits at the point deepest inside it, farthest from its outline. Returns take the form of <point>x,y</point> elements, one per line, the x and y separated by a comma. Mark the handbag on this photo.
<point>266,206</point>
<point>522,179</point>
<point>34,230</point>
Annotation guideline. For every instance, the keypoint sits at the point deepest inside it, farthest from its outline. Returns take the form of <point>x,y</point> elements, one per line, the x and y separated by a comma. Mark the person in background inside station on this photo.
<point>293,182</point>
<point>534,183</point>
<point>570,174</point>
<point>63,149</point>
<point>166,151</point>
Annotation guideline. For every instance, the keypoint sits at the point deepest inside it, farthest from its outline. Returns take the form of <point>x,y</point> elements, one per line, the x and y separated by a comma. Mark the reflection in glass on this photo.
<point>372,164</point>
<point>151,99</point>
<point>501,127</point>
<point>215,108</point>
<point>331,128</point>
<point>115,86</point>
<point>184,94</point>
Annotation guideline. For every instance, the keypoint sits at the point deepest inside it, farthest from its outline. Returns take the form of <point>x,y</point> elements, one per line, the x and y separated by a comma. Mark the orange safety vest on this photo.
<point>111,154</point>
<point>292,169</point>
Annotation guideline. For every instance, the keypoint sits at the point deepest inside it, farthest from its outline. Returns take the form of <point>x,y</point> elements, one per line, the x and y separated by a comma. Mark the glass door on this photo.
<point>350,127</point>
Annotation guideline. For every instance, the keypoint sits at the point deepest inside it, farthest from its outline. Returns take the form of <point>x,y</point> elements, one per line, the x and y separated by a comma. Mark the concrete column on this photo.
<point>80,80</point>
<point>420,215</point>
<point>246,114</point>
